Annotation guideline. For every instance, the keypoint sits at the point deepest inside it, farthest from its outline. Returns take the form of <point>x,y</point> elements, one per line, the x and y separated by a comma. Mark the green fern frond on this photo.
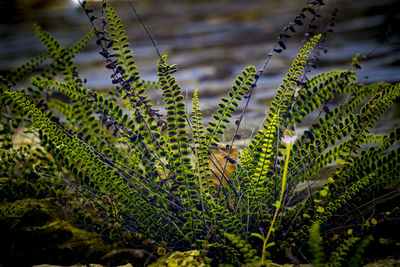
<point>367,173</point>
<point>367,117</point>
<point>61,56</point>
<point>81,44</point>
<point>244,250</point>
<point>75,93</point>
<point>356,260</point>
<point>178,142</point>
<point>315,245</point>
<point>333,154</point>
<point>91,170</point>
<point>22,71</point>
<point>339,256</point>
<point>267,153</point>
<point>319,89</point>
<point>200,147</point>
<point>282,102</point>
<point>85,122</point>
<point>227,106</point>
<point>176,117</point>
<point>126,72</point>
<point>148,175</point>
<point>327,132</point>
<point>120,45</point>
<point>116,118</point>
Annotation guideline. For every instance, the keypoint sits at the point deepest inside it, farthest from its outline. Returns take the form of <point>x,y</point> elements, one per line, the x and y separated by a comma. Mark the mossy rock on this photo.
<point>38,231</point>
<point>385,263</point>
<point>187,258</point>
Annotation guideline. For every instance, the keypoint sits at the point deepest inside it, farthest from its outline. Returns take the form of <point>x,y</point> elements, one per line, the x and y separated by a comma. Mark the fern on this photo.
<point>62,57</point>
<point>315,245</point>
<point>150,173</point>
<point>227,106</point>
<point>360,250</point>
<point>22,71</point>
<point>199,137</point>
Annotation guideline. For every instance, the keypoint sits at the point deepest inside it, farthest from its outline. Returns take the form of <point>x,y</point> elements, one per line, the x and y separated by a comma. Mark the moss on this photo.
<point>187,258</point>
<point>38,231</point>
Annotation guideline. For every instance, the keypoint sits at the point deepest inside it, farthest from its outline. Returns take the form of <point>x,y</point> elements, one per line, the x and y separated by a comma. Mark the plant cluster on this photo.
<point>150,176</point>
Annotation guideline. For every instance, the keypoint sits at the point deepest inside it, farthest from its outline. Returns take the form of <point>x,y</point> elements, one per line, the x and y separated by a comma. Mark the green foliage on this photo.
<point>62,58</point>
<point>237,250</point>
<point>147,173</point>
<point>339,257</point>
<point>228,105</point>
<point>22,71</point>
<point>199,136</point>
<point>315,245</point>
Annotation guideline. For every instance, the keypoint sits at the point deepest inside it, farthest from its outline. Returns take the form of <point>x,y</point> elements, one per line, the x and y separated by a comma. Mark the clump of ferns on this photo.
<point>146,173</point>
<point>349,252</point>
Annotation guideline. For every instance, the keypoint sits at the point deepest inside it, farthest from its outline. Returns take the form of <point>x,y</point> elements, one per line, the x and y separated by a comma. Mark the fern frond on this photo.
<point>176,116</point>
<point>113,116</point>
<point>319,89</point>
<point>120,45</point>
<point>124,65</point>
<point>333,154</point>
<point>326,132</point>
<point>200,147</point>
<point>178,141</point>
<point>338,257</point>
<point>360,250</point>
<point>281,104</point>
<point>227,106</point>
<point>89,127</point>
<point>22,71</point>
<point>244,251</point>
<point>315,245</point>
<point>80,45</point>
<point>359,170</point>
<point>61,56</point>
<point>94,171</point>
<point>264,144</point>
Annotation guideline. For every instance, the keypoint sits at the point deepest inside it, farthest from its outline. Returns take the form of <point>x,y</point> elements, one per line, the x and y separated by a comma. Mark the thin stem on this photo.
<point>278,203</point>
<point>145,28</point>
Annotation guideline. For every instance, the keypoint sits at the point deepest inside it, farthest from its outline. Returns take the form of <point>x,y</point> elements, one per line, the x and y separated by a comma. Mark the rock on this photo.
<point>187,258</point>
<point>80,265</point>
<point>37,230</point>
<point>384,263</point>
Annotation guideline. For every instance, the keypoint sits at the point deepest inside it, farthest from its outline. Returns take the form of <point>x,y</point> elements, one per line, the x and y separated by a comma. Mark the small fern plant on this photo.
<point>151,176</point>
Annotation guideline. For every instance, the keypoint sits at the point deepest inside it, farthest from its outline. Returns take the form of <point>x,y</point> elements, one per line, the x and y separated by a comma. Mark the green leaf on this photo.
<point>257,235</point>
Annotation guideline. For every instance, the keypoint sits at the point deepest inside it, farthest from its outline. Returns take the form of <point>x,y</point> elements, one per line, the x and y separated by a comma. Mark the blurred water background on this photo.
<point>212,41</point>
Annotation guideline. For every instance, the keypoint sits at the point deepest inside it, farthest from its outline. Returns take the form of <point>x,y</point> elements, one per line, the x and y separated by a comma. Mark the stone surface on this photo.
<point>384,263</point>
<point>37,232</point>
<point>177,258</point>
<point>80,265</point>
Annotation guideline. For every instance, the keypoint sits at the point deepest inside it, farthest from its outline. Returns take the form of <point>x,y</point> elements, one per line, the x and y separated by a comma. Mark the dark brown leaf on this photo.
<point>152,112</point>
<point>282,44</point>
<point>298,22</point>
<point>326,109</point>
